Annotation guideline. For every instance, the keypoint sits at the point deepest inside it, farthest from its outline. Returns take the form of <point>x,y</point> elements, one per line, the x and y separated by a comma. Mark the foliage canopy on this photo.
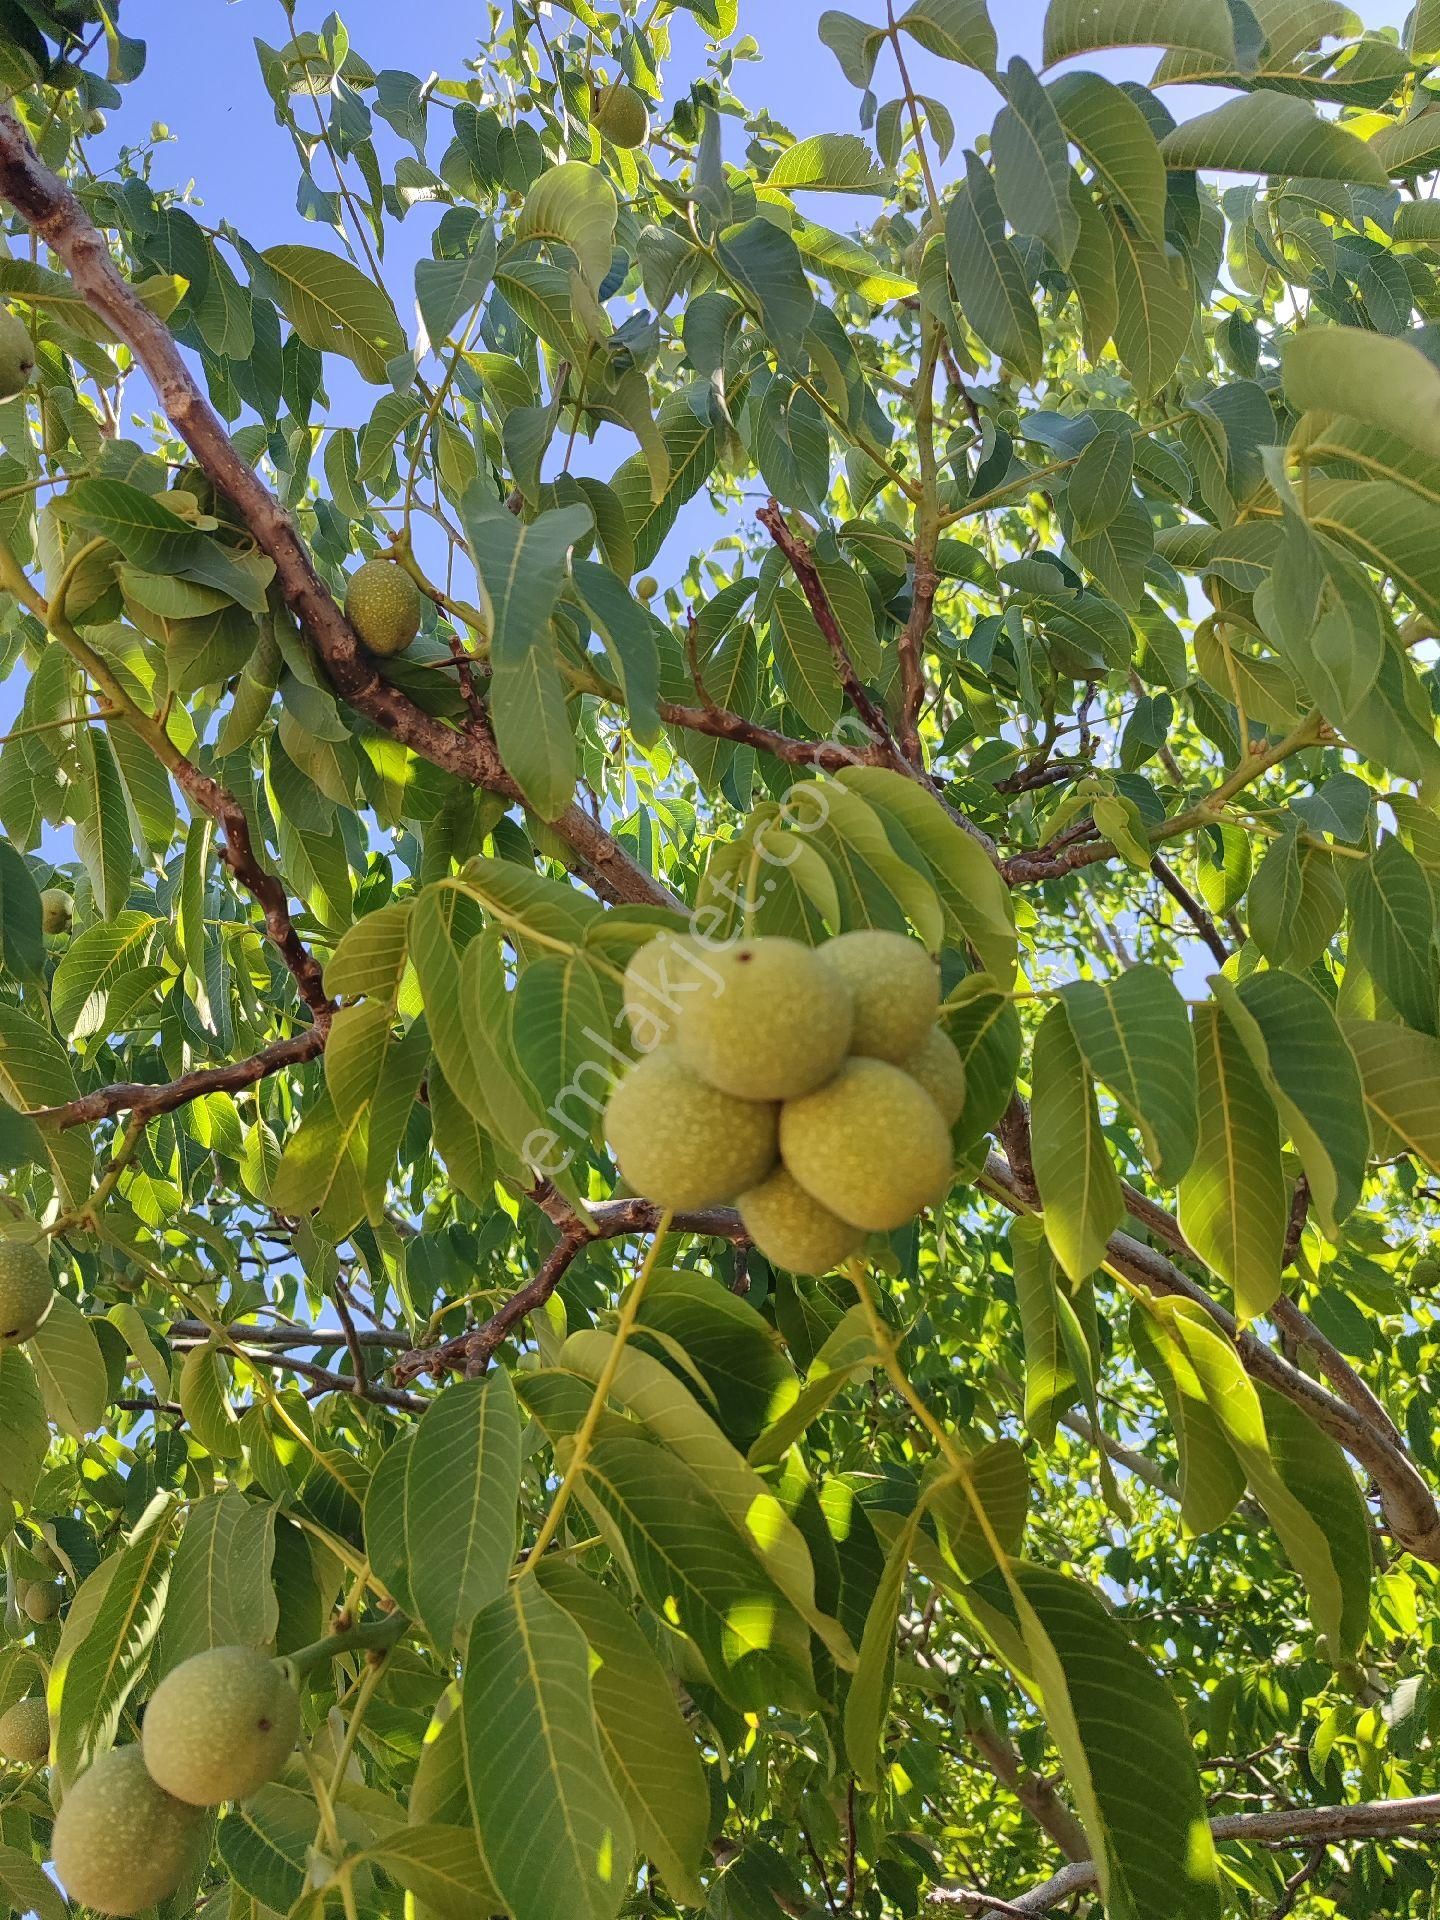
<point>1072,608</point>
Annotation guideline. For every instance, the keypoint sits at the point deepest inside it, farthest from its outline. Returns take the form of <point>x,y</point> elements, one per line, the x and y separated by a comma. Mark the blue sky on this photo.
<point>203,80</point>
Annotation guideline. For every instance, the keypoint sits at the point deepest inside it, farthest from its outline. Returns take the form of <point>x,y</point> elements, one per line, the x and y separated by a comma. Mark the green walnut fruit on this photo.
<point>660,977</point>
<point>647,588</point>
<point>17,356</point>
<point>26,1290</point>
<point>871,1145</point>
<point>382,604</point>
<point>1426,1271</point>
<point>771,1021</point>
<point>41,1601</point>
<point>220,1725</point>
<point>682,1143</point>
<point>937,1065</point>
<point>622,116</point>
<point>56,908</point>
<point>95,121</point>
<point>896,989</point>
<point>25,1732</point>
<point>120,1842</point>
<point>792,1230</point>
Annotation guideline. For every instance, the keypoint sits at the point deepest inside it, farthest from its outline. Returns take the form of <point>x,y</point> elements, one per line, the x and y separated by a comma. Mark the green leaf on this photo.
<point>1156,306</point>
<point>867,1702</point>
<point>1135,1037</point>
<point>97,966</point>
<point>1372,376</point>
<point>1236,1405</point>
<point>1400,1072</point>
<point>998,1480</point>
<point>448,290</point>
<point>26,1886</point>
<point>220,1592</point>
<point>441,1865</point>
<point>955,29</point>
<point>846,1352</point>
<point>1392,930</point>
<point>676,1418</point>
<point>24,1431</point>
<point>1212,1478</point>
<point>102,826</point>
<point>1052,1385</point>
<point>972,893</point>
<point>1086,26</point>
<point>1270,132</point>
<point>1233,1203</point>
<point>1032,164</point>
<point>150,536</point>
<point>22,937</point>
<point>627,632</point>
<point>35,1073</point>
<point>804,664</point>
<point>1115,138</point>
<point>1120,1733</point>
<point>827,163</point>
<point>322,1168</point>
<point>764,263</point>
<point>1100,481</point>
<point>462,1484</point>
<point>855,44</point>
<point>335,308</point>
<point>555,1834</point>
<point>106,1642</point>
<point>265,1843</point>
<point>370,956</point>
<point>70,1368</point>
<point>522,569</point>
<point>204,1397</point>
<point>1314,1469</point>
<point>990,282</point>
<point>1295,1044</point>
<point>650,1751</point>
<point>1079,1187</point>
<point>574,204</point>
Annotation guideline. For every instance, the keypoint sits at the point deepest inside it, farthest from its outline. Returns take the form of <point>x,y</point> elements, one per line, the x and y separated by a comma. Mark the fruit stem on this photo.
<point>366,1635</point>
<point>580,1448</point>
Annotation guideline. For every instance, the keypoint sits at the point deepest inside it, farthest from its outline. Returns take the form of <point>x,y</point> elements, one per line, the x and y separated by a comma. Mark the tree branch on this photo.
<point>51,210</point>
<point>1367,1820</point>
<point>472,1350</point>
<point>721,724</point>
<point>205,794</point>
<point>1034,1793</point>
<point>1188,904</point>
<point>149,1099</point>
<point>1408,1503</point>
<point>1288,1317</point>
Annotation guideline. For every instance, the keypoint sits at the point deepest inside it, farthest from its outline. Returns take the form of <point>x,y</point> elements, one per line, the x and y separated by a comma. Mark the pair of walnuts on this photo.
<point>133,1826</point>
<point>812,1086</point>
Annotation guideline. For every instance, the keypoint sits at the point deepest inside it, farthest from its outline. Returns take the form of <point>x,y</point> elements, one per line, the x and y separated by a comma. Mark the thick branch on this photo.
<point>196,1333</point>
<point>205,794</point>
<point>1035,1793</point>
<point>1189,905</point>
<point>471,1351</point>
<point>802,565</point>
<point>1290,1320</point>
<point>1368,1820</point>
<point>724,725</point>
<point>1408,1503</point>
<point>56,216</point>
<point>147,1099</point>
